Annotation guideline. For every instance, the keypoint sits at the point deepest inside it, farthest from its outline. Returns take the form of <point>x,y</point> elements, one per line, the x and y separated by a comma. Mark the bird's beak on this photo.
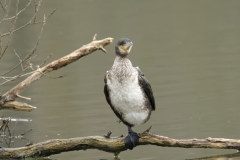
<point>127,46</point>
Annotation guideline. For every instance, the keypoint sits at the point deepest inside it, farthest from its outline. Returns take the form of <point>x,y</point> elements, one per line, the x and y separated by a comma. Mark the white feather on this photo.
<point>127,98</point>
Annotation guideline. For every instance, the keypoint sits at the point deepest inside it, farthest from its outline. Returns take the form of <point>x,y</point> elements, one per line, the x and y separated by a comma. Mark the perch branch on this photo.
<point>12,94</point>
<point>112,145</point>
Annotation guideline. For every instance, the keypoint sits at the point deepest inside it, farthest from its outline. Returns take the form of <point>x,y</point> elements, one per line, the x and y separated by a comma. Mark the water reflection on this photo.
<point>235,156</point>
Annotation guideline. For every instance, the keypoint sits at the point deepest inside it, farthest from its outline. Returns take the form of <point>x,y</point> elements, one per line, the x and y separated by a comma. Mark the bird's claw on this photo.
<point>108,134</point>
<point>131,140</point>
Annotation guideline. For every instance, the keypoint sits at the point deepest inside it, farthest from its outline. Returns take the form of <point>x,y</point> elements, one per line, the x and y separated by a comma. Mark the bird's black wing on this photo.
<point>106,91</point>
<point>143,82</point>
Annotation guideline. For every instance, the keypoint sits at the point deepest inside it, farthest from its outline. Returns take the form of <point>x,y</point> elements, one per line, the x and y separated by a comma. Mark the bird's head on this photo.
<point>123,47</point>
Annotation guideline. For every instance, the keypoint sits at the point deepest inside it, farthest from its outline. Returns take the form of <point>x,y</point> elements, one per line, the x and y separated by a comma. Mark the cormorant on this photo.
<point>128,92</point>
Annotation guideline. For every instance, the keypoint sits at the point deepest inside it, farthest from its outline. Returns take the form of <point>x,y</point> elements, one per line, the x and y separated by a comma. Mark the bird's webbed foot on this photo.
<point>131,140</point>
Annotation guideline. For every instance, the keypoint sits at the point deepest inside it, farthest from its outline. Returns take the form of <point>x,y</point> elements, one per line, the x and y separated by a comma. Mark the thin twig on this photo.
<point>13,22</point>
<point>4,123</point>
<point>6,13</point>
<point>46,17</point>
<point>1,55</point>
<point>4,131</point>
<point>26,132</point>
<point>53,77</point>
<point>46,59</point>
<point>14,128</point>
<point>9,136</point>
<point>19,58</point>
<point>51,13</point>
<point>22,97</point>
<point>29,64</point>
<point>12,26</point>
<point>21,75</point>
<point>40,35</point>
<point>8,33</point>
<point>11,95</point>
<point>39,70</point>
<point>95,37</point>
<point>31,21</point>
<point>8,79</point>
<point>19,11</point>
<point>37,5</point>
<point>33,50</point>
<point>3,7</point>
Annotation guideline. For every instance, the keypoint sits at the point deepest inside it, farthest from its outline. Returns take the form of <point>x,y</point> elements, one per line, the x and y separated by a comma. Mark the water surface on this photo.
<point>188,50</point>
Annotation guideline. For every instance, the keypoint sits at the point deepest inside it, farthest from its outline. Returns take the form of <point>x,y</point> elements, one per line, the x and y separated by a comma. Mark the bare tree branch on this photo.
<point>13,24</point>
<point>17,106</point>
<point>31,21</point>
<point>6,10</point>
<point>33,50</point>
<point>72,57</point>
<point>6,37</point>
<point>8,79</point>
<point>112,145</point>
<point>50,55</point>
<point>12,27</point>
<point>18,13</point>
<point>19,58</point>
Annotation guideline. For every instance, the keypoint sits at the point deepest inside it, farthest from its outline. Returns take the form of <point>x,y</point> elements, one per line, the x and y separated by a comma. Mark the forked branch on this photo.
<point>14,93</point>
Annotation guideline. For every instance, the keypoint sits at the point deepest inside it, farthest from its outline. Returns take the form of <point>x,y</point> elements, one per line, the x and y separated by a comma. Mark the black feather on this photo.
<point>145,85</point>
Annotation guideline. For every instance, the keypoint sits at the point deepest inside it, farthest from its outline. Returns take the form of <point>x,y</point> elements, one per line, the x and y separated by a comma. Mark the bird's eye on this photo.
<point>122,43</point>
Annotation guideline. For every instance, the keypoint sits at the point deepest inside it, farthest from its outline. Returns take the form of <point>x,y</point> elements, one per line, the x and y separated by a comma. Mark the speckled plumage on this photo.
<point>128,92</point>
<point>125,93</point>
<point>126,96</point>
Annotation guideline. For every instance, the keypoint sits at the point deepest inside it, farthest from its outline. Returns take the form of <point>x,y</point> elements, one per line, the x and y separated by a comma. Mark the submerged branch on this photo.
<point>112,145</point>
<point>234,156</point>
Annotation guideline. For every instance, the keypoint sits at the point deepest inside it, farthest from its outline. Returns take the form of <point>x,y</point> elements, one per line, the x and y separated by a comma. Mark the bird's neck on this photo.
<point>122,67</point>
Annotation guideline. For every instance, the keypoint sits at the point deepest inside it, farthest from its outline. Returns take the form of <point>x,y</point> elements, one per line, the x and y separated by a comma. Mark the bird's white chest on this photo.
<point>128,99</point>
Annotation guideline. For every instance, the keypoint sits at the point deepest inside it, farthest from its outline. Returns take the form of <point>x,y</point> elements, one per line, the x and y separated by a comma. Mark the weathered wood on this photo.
<point>12,94</point>
<point>17,106</point>
<point>112,145</point>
